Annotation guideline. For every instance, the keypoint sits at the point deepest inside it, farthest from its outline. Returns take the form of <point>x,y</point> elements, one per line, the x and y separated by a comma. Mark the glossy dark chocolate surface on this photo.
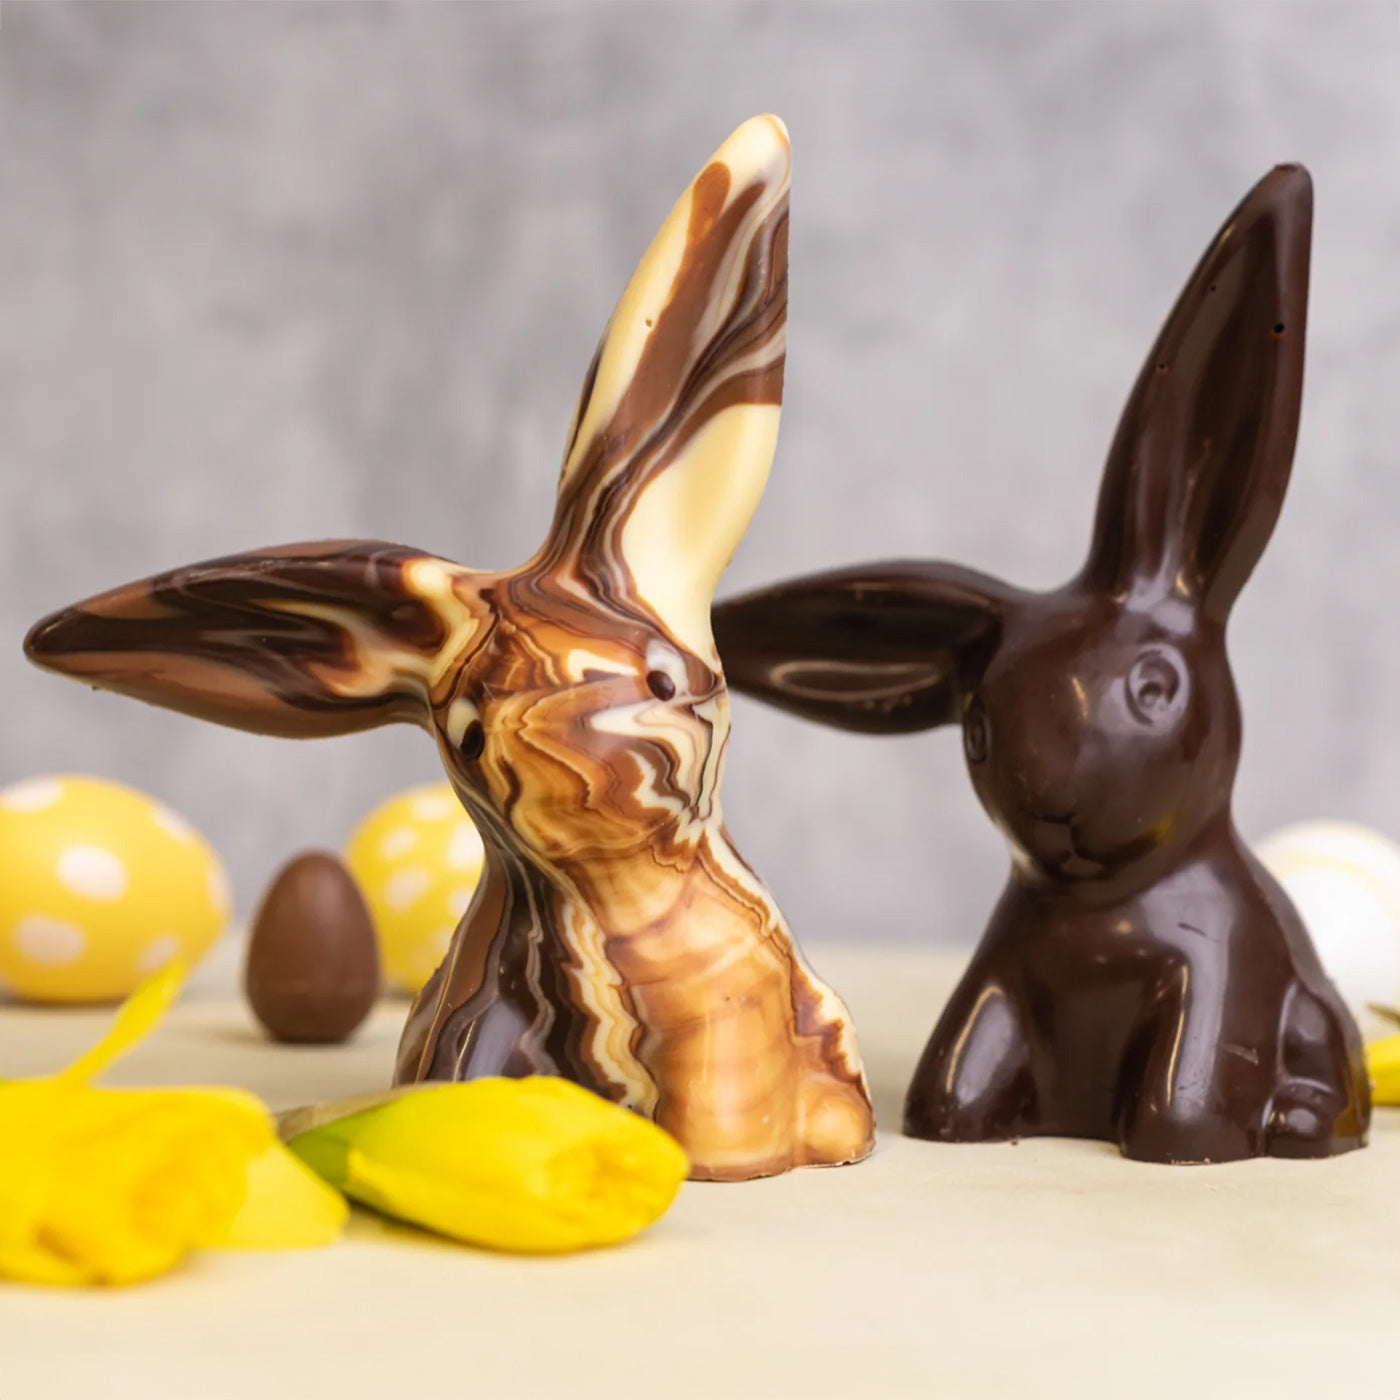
<point>312,970</point>
<point>1143,980</point>
<point>616,938</point>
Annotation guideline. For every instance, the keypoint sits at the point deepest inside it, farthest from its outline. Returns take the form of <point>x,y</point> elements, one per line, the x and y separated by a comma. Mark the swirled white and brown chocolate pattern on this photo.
<point>616,938</point>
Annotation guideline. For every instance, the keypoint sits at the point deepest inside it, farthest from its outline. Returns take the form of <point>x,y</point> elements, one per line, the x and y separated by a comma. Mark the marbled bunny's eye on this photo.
<point>464,729</point>
<point>666,676</point>
<point>977,732</point>
<point>473,741</point>
<point>1154,685</point>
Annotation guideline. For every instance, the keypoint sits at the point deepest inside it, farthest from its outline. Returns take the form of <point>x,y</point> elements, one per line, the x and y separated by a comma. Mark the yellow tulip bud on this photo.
<point>534,1165</point>
<point>117,1185</point>
<point>287,1207</point>
<point>1383,1063</point>
<point>111,1186</point>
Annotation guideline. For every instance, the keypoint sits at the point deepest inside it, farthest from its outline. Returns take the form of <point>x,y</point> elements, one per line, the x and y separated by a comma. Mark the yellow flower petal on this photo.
<point>27,1166</point>
<point>1383,1063</point>
<point>287,1207</point>
<point>112,1186</point>
<point>26,1263</point>
<point>133,1179</point>
<point>534,1165</point>
<point>135,1020</point>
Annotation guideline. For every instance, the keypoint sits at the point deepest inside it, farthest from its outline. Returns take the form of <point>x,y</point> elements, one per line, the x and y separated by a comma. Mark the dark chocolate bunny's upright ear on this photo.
<point>879,648</point>
<point>1197,472</point>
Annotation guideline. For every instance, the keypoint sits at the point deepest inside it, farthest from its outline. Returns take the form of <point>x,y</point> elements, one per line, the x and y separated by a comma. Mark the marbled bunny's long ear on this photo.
<point>1197,472</point>
<point>675,428</point>
<point>302,641</point>
<point>878,648</point>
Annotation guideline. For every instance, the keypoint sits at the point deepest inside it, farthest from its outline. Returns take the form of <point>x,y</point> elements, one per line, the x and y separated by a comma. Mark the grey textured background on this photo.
<point>280,271</point>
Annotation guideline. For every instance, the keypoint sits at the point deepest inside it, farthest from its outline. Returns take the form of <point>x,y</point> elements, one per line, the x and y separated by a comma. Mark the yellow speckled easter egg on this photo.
<point>417,858</point>
<point>100,886</point>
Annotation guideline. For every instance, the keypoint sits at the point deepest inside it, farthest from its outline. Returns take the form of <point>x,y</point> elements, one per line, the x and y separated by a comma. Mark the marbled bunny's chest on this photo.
<point>672,991</point>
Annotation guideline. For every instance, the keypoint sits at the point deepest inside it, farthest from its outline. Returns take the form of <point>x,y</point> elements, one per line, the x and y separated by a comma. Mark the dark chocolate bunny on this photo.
<point>1143,980</point>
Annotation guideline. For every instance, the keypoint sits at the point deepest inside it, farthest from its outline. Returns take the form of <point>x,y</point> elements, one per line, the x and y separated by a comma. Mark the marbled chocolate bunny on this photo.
<point>617,938</point>
<point>1143,980</point>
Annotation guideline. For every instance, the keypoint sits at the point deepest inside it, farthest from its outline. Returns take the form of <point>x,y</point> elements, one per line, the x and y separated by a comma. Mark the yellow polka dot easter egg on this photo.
<point>417,858</point>
<point>100,886</point>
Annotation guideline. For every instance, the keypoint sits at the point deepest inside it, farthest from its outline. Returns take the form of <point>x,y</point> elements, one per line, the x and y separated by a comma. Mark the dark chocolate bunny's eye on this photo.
<point>977,732</point>
<point>1155,685</point>
<point>661,685</point>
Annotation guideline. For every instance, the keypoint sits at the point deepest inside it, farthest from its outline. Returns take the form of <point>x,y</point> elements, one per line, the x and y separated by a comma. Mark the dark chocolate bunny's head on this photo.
<point>1142,979</point>
<point>1099,720</point>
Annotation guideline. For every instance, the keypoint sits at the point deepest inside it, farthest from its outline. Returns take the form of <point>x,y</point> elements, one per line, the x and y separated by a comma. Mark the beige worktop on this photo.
<point>1047,1269</point>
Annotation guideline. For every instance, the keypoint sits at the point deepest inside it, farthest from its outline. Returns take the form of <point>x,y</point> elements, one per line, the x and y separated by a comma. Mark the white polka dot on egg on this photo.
<point>92,872</point>
<point>33,795</point>
<point>458,901</point>
<point>464,851</point>
<point>398,842</point>
<point>406,887</point>
<point>49,942</point>
<point>158,953</point>
<point>433,806</point>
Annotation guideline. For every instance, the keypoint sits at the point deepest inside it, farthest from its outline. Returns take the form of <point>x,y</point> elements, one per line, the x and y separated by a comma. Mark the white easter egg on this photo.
<point>1344,880</point>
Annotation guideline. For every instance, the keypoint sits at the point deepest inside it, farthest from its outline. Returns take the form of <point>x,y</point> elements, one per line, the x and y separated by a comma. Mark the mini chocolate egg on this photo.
<point>313,967</point>
<point>418,859</point>
<point>100,885</point>
<point>1345,882</point>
